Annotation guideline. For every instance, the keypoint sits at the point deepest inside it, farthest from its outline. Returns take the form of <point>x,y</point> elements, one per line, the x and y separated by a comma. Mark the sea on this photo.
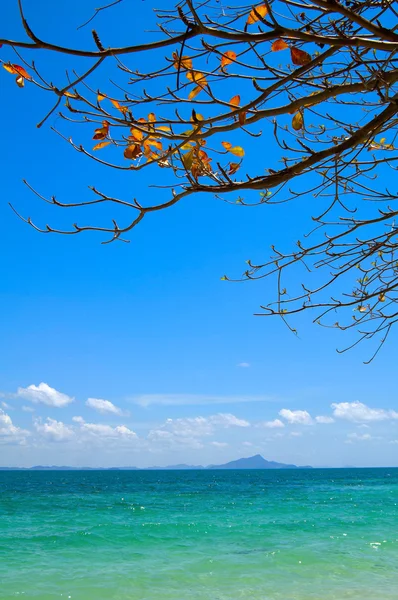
<point>199,535</point>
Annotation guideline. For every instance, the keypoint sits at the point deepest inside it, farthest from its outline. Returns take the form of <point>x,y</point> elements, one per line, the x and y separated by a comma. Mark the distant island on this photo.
<point>253,462</point>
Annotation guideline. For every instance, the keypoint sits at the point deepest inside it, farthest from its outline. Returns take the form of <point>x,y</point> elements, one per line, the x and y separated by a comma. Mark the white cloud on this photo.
<point>105,431</point>
<point>78,419</point>
<point>28,409</point>
<point>248,444</point>
<point>219,444</point>
<point>103,406</point>
<point>44,394</point>
<point>6,406</point>
<point>296,434</point>
<point>359,437</point>
<point>194,399</point>
<point>187,431</point>
<point>394,442</point>
<point>360,413</point>
<point>275,424</point>
<point>324,420</point>
<point>9,433</point>
<point>227,420</point>
<point>244,365</point>
<point>56,431</point>
<point>296,417</point>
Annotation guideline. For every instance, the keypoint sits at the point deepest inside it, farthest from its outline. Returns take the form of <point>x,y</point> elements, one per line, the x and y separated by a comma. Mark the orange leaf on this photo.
<point>233,167</point>
<point>123,109</point>
<point>101,145</point>
<point>226,145</point>
<point>235,101</point>
<point>195,170</point>
<point>258,10</point>
<point>298,121</point>
<point>151,117</point>
<point>203,156</point>
<point>100,97</point>
<point>227,58</point>
<point>17,70</point>
<point>133,151</point>
<point>279,45</point>
<point>299,57</point>
<point>196,90</point>
<point>242,117</point>
<point>20,81</point>
<point>185,62</point>
<point>102,132</point>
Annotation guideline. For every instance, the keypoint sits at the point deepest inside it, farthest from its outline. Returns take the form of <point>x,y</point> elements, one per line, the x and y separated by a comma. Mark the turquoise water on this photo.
<point>218,535</point>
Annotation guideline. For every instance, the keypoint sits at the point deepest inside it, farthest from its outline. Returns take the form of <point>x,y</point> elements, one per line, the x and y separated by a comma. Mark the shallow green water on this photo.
<point>269,535</point>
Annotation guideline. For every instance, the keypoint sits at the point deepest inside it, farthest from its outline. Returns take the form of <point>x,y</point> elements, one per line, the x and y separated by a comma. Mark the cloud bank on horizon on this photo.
<point>223,432</point>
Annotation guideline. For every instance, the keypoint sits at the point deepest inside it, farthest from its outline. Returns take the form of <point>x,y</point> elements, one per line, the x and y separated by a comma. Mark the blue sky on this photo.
<point>186,371</point>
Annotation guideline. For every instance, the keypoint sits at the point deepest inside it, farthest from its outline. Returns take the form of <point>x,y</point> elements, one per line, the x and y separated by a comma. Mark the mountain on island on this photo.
<point>253,462</point>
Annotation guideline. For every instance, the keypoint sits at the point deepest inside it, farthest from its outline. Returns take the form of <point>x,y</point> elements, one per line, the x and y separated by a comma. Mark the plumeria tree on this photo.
<point>316,79</point>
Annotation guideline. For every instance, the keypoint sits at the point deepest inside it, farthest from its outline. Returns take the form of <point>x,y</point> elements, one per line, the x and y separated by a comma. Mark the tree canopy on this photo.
<point>314,80</point>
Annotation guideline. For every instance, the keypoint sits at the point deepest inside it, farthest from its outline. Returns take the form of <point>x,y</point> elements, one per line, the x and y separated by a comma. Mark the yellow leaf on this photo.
<point>100,97</point>
<point>136,134</point>
<point>196,90</point>
<point>298,121</point>
<point>258,10</point>
<point>187,160</point>
<point>151,117</point>
<point>155,143</point>
<point>237,151</point>
<point>197,78</point>
<point>101,145</point>
<point>20,81</point>
<point>198,117</point>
